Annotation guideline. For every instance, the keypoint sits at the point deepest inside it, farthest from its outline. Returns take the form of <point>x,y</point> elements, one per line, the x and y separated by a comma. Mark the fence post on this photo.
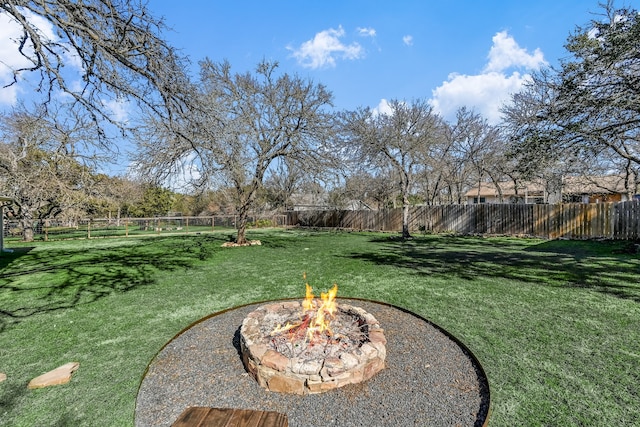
<point>88,228</point>
<point>126,227</point>
<point>612,220</point>
<point>46,230</point>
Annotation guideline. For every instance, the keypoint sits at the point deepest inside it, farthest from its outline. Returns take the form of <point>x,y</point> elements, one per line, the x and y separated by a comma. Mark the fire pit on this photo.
<point>429,377</point>
<point>311,346</point>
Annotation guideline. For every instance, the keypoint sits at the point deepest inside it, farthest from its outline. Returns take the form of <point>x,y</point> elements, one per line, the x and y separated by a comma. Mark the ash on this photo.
<point>348,332</point>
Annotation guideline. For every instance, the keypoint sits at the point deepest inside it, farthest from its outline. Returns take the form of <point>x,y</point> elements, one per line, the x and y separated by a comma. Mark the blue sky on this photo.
<point>452,53</point>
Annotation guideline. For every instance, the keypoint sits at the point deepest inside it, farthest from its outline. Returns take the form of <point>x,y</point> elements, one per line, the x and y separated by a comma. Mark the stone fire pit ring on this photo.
<point>298,374</point>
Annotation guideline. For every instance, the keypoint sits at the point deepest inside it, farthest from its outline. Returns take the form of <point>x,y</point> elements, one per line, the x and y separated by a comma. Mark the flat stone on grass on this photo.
<point>60,375</point>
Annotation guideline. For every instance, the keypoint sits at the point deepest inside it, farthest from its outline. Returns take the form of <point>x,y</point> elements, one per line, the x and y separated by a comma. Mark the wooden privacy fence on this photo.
<point>571,220</point>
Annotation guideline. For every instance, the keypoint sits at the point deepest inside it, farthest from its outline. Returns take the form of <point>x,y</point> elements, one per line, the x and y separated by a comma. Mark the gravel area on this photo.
<point>429,379</point>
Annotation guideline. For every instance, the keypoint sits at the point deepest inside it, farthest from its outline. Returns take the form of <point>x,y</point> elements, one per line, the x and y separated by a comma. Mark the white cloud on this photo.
<point>118,108</point>
<point>324,48</point>
<point>408,40</point>
<point>487,92</point>
<point>505,53</point>
<point>8,95</point>
<point>10,57</point>
<point>382,108</point>
<point>366,32</point>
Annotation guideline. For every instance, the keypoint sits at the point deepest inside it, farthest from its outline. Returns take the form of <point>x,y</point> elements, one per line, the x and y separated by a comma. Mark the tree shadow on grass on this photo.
<point>9,257</point>
<point>62,278</point>
<point>10,395</point>
<point>595,265</point>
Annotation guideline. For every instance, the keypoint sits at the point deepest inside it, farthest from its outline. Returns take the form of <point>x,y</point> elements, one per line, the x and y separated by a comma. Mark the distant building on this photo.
<point>570,189</point>
<point>309,202</point>
<point>319,202</point>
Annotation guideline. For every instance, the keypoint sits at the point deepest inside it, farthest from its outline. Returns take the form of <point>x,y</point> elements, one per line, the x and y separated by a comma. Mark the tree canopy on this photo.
<point>36,170</point>
<point>118,49</point>
<point>244,126</point>
<point>402,141</point>
<point>587,112</point>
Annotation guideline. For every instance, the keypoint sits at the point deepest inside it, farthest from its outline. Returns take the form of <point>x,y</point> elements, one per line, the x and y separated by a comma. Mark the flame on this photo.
<point>280,329</point>
<point>307,304</point>
<point>314,320</point>
<point>325,313</point>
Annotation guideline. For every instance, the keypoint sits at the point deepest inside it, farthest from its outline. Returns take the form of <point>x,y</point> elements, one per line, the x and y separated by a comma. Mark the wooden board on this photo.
<point>216,417</point>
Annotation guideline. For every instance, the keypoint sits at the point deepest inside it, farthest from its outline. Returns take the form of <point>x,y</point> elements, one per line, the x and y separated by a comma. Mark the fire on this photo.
<point>316,315</point>
<point>324,313</point>
<point>307,304</point>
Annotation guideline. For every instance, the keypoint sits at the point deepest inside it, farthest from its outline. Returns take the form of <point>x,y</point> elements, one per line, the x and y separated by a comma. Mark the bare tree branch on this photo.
<point>120,49</point>
<point>403,141</point>
<point>244,125</point>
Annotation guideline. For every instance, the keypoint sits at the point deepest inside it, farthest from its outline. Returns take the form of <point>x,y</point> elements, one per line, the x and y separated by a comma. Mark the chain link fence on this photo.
<point>51,229</point>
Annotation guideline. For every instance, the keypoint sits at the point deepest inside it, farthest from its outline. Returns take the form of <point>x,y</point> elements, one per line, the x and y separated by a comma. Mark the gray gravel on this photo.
<point>429,380</point>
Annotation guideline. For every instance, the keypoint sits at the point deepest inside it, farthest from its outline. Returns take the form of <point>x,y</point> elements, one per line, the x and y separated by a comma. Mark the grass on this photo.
<point>110,231</point>
<point>556,324</point>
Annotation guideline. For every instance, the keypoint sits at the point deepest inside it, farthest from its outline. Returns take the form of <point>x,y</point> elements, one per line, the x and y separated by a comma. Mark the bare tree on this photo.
<point>588,112</point>
<point>245,125</point>
<point>281,182</point>
<point>38,168</point>
<point>480,146</point>
<point>120,49</point>
<point>370,189</point>
<point>449,177</point>
<point>402,140</point>
<point>446,172</point>
<point>112,197</point>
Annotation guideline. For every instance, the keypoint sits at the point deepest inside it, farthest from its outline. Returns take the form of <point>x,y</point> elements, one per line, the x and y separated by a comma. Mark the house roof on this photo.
<point>606,184</point>
<point>488,189</point>
<point>594,184</point>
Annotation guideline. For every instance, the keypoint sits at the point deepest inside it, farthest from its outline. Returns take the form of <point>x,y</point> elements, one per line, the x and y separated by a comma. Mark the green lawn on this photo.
<point>556,324</point>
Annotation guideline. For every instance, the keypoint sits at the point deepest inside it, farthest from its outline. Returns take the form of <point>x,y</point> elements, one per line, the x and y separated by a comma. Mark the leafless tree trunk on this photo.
<point>26,223</point>
<point>36,167</point>
<point>243,125</point>
<point>402,141</point>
